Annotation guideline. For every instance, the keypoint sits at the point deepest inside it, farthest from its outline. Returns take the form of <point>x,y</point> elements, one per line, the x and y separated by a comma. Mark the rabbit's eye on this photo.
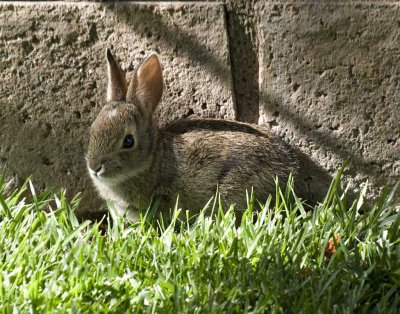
<point>128,141</point>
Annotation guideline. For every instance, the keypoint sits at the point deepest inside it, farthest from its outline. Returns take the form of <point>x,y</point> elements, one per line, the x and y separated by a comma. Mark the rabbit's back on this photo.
<point>198,155</point>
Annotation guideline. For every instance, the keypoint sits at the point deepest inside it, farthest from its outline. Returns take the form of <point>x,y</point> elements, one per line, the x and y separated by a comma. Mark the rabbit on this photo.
<point>132,162</point>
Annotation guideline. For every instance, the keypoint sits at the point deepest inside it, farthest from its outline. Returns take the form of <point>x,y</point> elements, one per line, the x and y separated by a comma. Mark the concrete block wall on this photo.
<point>330,83</point>
<point>322,75</point>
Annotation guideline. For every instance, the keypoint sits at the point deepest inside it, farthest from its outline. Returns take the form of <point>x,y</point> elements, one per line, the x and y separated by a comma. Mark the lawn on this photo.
<point>339,257</point>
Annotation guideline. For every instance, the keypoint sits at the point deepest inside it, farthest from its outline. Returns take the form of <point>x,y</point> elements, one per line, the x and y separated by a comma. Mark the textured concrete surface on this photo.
<point>52,68</point>
<point>330,83</point>
<point>241,26</point>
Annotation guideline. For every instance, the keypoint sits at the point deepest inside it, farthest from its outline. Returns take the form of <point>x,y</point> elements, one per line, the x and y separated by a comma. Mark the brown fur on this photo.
<point>188,158</point>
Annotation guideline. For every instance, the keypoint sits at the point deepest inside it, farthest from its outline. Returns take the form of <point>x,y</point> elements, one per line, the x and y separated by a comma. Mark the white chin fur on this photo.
<point>107,181</point>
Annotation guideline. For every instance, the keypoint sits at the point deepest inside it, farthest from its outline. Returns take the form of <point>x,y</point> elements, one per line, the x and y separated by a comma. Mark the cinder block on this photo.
<point>330,83</point>
<point>53,83</point>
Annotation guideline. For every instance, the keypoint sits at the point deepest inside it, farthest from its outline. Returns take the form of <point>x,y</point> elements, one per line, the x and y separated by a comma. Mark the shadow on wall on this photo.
<point>244,65</point>
<point>242,53</point>
<point>326,140</point>
<point>145,20</point>
<point>330,75</point>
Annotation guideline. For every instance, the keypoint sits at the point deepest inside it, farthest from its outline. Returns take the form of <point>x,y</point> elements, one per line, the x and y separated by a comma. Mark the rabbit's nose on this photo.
<point>96,168</point>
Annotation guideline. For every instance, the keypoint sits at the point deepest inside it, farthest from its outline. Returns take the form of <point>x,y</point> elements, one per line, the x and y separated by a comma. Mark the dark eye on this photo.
<point>128,141</point>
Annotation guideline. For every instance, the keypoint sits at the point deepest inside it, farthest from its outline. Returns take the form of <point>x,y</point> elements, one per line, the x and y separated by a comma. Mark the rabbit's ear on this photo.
<point>117,85</point>
<point>147,85</point>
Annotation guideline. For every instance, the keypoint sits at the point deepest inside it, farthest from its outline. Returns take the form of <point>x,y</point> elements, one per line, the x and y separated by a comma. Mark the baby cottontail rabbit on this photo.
<point>131,161</point>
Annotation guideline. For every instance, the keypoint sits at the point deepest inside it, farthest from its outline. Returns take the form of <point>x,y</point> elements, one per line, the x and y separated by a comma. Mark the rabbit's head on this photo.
<point>122,138</point>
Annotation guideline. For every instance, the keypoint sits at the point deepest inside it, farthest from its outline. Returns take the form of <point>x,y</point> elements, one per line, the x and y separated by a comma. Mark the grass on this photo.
<point>334,259</point>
